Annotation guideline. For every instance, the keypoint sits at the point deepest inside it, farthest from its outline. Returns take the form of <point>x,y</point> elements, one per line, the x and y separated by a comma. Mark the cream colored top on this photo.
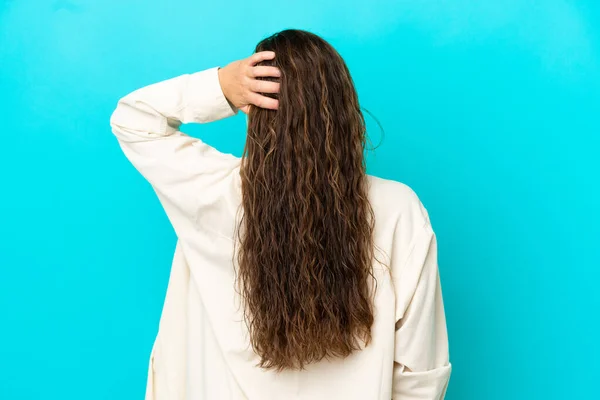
<point>202,349</point>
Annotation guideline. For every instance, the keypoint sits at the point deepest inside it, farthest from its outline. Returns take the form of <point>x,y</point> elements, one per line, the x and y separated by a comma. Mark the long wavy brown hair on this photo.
<point>306,235</point>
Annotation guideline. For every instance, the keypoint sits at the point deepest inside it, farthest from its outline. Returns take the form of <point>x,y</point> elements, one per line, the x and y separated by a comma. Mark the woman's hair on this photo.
<point>305,258</point>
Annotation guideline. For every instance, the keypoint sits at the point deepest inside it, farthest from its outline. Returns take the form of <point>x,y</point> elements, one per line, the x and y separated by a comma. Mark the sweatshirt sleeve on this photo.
<point>422,368</point>
<point>181,169</point>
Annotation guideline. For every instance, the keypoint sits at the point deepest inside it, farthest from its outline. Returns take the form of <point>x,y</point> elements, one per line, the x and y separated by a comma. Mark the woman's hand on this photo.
<point>242,89</point>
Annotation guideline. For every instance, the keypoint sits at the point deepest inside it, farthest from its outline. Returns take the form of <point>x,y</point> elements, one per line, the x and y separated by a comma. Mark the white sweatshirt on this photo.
<point>202,349</point>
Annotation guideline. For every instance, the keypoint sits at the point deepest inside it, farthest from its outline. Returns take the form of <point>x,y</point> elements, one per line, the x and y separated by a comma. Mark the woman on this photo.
<point>296,275</point>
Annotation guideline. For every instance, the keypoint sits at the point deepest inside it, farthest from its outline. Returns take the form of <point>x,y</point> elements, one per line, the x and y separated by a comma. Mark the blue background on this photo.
<point>491,114</point>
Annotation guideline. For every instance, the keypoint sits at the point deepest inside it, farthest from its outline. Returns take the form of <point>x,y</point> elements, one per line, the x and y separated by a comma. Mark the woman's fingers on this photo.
<point>264,71</point>
<point>260,56</point>
<point>264,86</point>
<point>263,101</point>
<point>257,86</point>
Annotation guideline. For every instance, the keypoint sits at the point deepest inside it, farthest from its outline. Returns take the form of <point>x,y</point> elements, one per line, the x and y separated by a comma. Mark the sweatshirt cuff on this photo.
<point>425,385</point>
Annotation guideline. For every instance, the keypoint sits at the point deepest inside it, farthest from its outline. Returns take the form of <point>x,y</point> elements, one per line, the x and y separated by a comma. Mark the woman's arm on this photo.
<point>180,168</point>
<point>422,368</point>
<point>146,123</point>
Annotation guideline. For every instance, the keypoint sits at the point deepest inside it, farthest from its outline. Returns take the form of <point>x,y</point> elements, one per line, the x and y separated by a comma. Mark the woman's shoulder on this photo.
<point>397,201</point>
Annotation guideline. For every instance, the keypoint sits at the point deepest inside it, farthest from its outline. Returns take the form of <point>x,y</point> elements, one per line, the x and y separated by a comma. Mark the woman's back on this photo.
<point>202,349</point>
